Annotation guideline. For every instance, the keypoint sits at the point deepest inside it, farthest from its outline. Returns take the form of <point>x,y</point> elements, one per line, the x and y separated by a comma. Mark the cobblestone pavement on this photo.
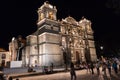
<point>81,75</point>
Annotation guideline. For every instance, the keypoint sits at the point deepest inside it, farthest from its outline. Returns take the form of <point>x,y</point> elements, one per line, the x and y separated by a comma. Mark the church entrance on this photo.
<point>77,58</point>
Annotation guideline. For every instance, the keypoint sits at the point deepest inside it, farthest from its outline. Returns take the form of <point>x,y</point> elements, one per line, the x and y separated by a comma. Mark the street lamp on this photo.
<point>101,48</point>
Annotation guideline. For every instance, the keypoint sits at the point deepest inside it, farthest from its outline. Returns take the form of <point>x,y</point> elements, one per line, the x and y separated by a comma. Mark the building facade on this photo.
<point>53,38</point>
<point>13,46</point>
<point>4,57</point>
<point>16,48</point>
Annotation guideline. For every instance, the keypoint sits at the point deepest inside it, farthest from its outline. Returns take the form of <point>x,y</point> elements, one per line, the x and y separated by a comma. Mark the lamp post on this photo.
<point>101,48</point>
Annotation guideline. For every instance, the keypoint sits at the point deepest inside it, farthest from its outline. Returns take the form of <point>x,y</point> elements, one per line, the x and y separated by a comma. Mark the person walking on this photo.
<point>108,74</point>
<point>98,67</point>
<point>72,72</point>
<point>100,76</point>
<point>88,68</point>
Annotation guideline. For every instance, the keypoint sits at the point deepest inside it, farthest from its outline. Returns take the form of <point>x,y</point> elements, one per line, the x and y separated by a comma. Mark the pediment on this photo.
<point>71,20</point>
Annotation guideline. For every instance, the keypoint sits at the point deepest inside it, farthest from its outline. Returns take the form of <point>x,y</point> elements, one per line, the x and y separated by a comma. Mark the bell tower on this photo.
<point>47,11</point>
<point>48,36</point>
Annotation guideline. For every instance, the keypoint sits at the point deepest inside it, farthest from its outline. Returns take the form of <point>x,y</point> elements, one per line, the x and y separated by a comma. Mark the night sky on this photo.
<point>19,17</point>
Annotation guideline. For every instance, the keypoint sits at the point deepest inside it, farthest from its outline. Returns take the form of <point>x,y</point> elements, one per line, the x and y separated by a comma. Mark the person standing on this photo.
<point>72,72</point>
<point>92,67</point>
<point>51,68</point>
<point>109,66</point>
<point>114,65</point>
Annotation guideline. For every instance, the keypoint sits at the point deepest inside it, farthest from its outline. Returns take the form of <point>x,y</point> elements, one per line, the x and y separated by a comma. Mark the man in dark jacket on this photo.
<point>72,72</point>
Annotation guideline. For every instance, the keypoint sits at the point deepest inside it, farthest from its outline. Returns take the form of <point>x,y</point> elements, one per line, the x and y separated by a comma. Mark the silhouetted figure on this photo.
<point>109,67</point>
<point>104,68</point>
<point>88,68</point>
<point>1,76</point>
<point>1,68</point>
<point>115,67</point>
<point>98,67</point>
<point>30,69</point>
<point>72,72</point>
<point>10,78</point>
<point>92,67</point>
<point>51,67</point>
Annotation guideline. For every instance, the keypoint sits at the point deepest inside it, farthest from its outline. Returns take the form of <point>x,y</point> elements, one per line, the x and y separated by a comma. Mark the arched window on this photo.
<point>41,16</point>
<point>51,15</point>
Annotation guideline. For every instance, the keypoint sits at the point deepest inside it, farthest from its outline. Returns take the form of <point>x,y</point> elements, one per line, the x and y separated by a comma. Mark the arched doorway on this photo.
<point>77,58</point>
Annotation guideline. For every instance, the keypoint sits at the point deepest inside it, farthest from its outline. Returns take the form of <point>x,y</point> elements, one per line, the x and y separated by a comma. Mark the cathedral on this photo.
<point>56,41</point>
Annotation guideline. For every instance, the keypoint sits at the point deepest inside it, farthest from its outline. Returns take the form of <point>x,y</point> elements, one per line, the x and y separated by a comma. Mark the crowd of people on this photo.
<point>104,67</point>
<point>107,66</point>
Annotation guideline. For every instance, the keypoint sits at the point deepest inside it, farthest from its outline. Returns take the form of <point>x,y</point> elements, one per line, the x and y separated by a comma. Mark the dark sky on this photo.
<point>19,17</point>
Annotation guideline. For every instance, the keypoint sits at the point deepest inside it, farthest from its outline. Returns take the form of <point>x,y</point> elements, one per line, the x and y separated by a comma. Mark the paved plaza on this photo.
<point>81,75</point>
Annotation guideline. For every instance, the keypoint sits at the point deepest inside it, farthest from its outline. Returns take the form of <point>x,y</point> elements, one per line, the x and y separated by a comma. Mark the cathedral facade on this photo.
<point>55,40</point>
